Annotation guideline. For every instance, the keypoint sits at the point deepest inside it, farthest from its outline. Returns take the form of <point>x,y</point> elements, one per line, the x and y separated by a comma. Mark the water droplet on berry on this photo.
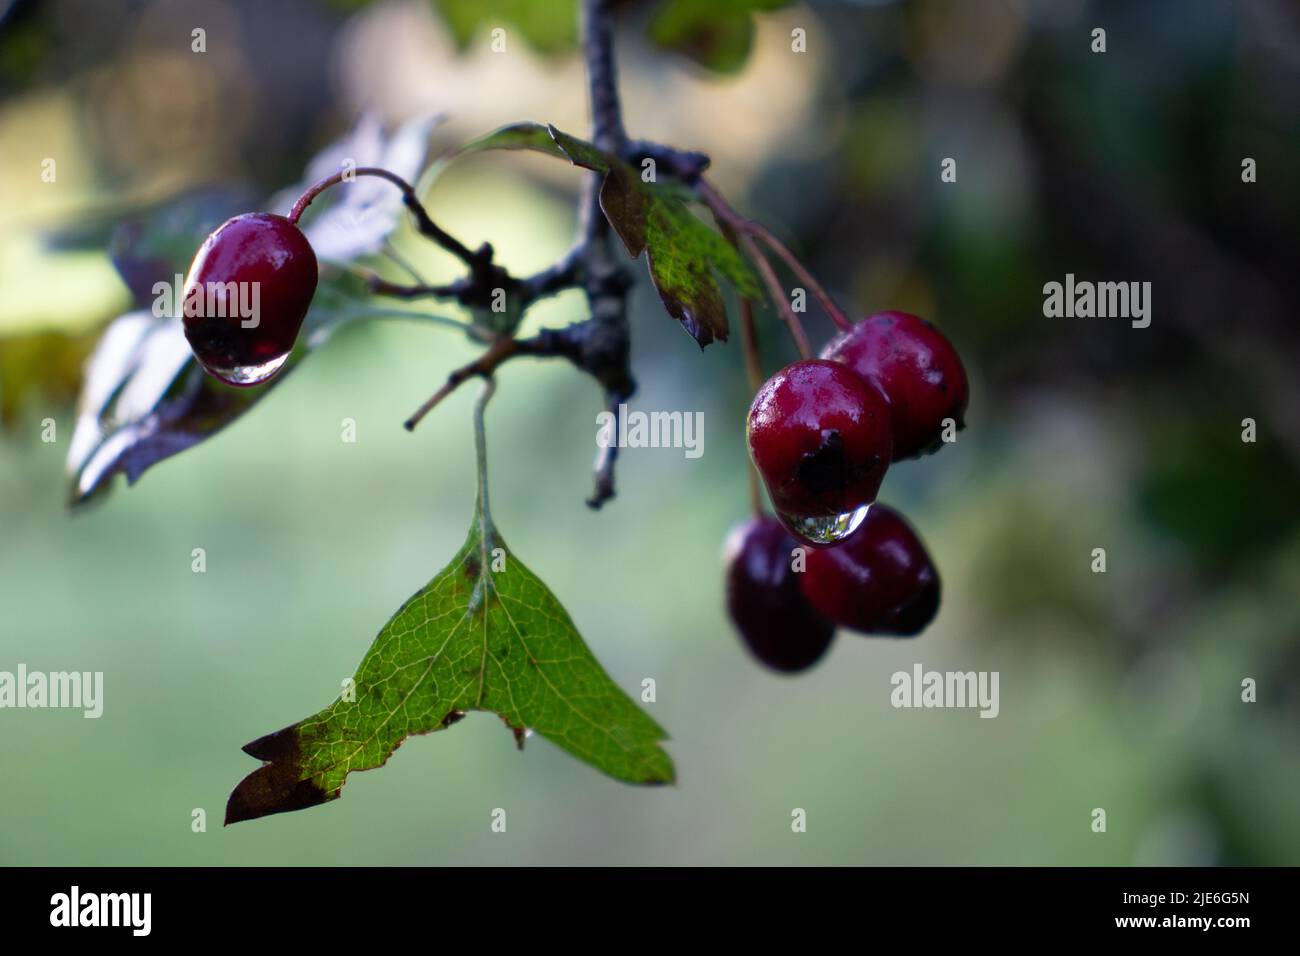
<point>249,374</point>
<point>825,529</point>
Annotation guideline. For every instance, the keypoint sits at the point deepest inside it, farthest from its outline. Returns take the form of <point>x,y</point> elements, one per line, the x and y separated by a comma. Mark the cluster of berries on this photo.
<point>822,433</point>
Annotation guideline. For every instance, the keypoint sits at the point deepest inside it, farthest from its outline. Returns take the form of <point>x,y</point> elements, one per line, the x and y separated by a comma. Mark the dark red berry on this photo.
<point>878,581</point>
<point>764,600</point>
<point>247,292</point>
<point>820,437</point>
<point>916,367</point>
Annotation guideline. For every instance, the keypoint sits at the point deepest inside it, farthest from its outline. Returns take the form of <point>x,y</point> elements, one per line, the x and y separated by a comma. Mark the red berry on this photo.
<point>879,581</point>
<point>247,292</point>
<point>918,370</point>
<point>820,437</point>
<point>764,601</point>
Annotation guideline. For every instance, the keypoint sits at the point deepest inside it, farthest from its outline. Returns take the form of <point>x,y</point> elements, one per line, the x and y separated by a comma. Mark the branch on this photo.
<point>585,344</point>
<point>600,345</point>
<point>483,367</point>
<point>602,76</point>
<point>605,279</point>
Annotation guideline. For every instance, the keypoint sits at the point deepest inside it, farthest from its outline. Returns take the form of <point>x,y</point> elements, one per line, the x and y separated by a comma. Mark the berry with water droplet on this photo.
<point>879,581</point>
<point>764,601</point>
<point>819,436</point>
<point>918,370</point>
<point>246,295</point>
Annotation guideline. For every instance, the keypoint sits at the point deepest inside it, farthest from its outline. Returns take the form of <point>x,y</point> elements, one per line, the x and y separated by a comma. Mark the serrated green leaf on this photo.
<point>683,252</point>
<point>727,259</point>
<point>484,635</point>
<point>681,272</point>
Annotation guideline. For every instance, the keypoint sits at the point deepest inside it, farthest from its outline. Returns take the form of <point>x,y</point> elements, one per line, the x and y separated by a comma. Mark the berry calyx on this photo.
<point>248,290</point>
<point>819,436</point>
<point>777,624</point>
<point>916,367</point>
<point>879,581</point>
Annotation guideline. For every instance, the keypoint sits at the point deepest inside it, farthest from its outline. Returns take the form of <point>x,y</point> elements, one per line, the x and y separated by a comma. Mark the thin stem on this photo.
<point>381,286</point>
<point>480,454</point>
<point>475,260</point>
<point>403,263</point>
<point>736,227</point>
<point>749,336</point>
<point>754,371</point>
<point>755,492</point>
<point>483,366</point>
<point>777,293</point>
<point>416,316</point>
<point>475,289</point>
<point>828,304</point>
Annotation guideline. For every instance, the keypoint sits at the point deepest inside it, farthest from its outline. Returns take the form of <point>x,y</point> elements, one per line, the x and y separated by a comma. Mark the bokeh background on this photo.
<point>1119,690</point>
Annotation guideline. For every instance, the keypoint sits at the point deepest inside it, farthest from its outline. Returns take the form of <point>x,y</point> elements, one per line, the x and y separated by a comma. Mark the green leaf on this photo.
<point>580,152</point>
<point>485,634</point>
<point>716,34</point>
<point>532,136</point>
<point>548,26</point>
<point>683,253</point>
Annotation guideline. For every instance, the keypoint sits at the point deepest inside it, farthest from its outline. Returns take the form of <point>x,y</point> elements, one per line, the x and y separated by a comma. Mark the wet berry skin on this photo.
<point>764,601</point>
<point>820,437</point>
<point>259,248</point>
<point>916,367</point>
<point>880,580</point>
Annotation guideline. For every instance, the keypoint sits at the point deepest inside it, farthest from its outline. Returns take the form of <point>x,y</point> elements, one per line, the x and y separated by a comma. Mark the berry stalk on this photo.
<point>798,268</point>
<point>475,260</point>
<point>736,228</point>
<point>754,372</point>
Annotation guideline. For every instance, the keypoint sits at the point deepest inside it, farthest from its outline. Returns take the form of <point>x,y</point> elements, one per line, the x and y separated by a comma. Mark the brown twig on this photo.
<point>737,228</point>
<point>483,366</point>
<point>798,268</point>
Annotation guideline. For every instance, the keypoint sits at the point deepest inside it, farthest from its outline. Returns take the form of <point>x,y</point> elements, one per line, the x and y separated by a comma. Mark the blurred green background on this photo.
<point>1119,690</point>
